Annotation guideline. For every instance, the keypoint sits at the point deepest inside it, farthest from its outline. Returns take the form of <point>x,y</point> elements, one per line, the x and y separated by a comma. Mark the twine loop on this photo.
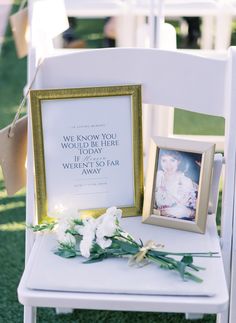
<point>139,259</point>
<point>18,112</point>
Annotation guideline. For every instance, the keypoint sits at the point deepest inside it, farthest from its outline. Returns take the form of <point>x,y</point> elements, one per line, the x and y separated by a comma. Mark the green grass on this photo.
<point>12,215</point>
<point>85,316</point>
<point>190,123</point>
<point>91,31</point>
<point>12,80</point>
<point>12,209</point>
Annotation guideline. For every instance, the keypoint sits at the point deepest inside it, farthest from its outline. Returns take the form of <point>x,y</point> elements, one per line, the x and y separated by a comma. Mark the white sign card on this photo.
<point>88,147</point>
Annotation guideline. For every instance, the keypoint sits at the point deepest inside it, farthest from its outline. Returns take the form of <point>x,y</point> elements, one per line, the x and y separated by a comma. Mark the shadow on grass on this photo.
<point>2,185</point>
<point>12,215</point>
<point>88,316</point>
<point>12,209</point>
<point>12,199</point>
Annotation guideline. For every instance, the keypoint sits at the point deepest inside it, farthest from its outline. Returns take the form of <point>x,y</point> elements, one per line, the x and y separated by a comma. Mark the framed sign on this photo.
<point>87,150</point>
<point>178,183</point>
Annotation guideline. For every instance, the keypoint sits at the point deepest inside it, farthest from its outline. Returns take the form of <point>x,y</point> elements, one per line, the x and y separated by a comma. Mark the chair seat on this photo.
<point>70,283</point>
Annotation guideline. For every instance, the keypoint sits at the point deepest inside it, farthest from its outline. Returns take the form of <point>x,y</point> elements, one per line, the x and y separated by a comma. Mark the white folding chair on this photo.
<point>224,21</point>
<point>178,79</point>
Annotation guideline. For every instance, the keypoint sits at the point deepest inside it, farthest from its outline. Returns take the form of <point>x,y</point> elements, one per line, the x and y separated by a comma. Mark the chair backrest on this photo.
<point>195,83</point>
<point>187,81</point>
<point>215,185</point>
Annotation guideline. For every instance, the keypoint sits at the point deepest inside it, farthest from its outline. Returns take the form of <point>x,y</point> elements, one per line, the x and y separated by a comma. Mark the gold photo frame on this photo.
<point>178,183</point>
<point>87,150</point>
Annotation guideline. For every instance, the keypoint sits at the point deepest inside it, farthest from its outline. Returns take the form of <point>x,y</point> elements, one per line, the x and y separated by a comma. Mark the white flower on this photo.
<point>108,223</point>
<point>103,242</point>
<point>85,246</point>
<point>107,226</point>
<point>91,230</point>
<point>115,212</point>
<point>64,224</point>
<point>88,227</point>
<point>87,230</point>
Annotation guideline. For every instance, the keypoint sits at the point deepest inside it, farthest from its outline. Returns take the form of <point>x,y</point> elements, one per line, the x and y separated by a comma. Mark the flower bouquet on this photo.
<point>103,237</point>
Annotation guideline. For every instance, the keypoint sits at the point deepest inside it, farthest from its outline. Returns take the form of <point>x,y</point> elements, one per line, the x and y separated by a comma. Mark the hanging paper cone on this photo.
<point>19,26</point>
<point>13,156</point>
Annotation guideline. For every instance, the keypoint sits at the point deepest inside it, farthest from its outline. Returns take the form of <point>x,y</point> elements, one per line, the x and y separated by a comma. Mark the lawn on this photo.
<point>12,209</point>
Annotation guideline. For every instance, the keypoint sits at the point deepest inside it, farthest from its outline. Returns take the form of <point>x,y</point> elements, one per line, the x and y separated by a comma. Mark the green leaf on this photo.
<point>193,277</point>
<point>78,221</point>
<point>96,249</point>
<point>114,245</point>
<point>116,252</point>
<point>72,231</point>
<point>95,258</point>
<point>187,260</point>
<point>127,247</point>
<point>42,227</point>
<point>66,253</point>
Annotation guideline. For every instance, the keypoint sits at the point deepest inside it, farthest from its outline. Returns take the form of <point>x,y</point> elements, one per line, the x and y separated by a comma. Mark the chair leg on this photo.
<point>64,310</point>
<point>223,318</point>
<point>30,314</point>
<point>193,316</point>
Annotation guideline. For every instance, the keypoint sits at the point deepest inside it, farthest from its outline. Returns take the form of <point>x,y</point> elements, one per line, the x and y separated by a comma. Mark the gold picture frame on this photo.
<point>178,183</point>
<point>87,150</point>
